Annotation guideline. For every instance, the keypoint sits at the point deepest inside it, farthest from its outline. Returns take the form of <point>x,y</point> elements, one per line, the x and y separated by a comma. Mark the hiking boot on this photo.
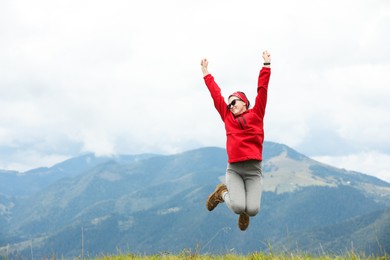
<point>243,221</point>
<point>216,197</point>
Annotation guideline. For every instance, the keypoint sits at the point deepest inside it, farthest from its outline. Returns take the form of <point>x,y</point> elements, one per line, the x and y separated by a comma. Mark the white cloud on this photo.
<point>24,160</point>
<point>162,212</point>
<point>373,163</point>
<point>124,76</point>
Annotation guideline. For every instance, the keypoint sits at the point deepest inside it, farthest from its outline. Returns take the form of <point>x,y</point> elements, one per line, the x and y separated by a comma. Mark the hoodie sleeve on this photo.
<point>262,89</point>
<point>215,91</point>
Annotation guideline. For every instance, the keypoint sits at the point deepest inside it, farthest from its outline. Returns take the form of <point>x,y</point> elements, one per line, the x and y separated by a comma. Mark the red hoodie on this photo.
<point>245,133</point>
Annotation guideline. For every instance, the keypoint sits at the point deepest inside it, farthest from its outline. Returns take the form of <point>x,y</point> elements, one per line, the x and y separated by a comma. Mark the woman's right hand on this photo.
<point>204,63</point>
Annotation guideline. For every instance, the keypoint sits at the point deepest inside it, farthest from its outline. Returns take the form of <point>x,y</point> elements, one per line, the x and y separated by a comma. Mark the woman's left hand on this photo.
<point>266,56</point>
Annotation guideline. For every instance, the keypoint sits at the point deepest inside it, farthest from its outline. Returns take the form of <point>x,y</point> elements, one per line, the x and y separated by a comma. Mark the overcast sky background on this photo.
<point>124,77</point>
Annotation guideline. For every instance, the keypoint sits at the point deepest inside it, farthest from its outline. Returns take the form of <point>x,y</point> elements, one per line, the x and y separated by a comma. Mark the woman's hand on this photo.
<point>204,63</point>
<point>266,58</point>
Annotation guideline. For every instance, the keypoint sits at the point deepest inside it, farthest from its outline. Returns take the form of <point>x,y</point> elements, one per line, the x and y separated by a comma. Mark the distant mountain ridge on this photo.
<point>14,183</point>
<point>156,203</point>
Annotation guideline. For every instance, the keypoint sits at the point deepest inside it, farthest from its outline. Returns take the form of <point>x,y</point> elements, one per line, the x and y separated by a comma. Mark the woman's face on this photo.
<point>238,107</point>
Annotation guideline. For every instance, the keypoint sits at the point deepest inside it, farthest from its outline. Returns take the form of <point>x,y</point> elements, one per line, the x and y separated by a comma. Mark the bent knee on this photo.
<point>238,209</point>
<point>252,211</point>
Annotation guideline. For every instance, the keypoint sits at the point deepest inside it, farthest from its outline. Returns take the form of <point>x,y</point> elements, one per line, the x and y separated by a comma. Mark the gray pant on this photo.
<point>244,183</point>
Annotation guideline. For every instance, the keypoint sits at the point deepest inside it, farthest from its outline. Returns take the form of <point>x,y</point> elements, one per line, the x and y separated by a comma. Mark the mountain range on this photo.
<point>151,203</point>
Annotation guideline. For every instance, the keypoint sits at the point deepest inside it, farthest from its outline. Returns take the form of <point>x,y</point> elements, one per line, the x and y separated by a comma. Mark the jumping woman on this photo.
<point>244,145</point>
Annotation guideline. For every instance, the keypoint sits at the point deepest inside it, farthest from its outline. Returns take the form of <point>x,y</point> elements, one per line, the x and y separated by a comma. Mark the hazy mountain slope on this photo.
<point>365,233</point>
<point>6,206</point>
<point>183,222</point>
<point>14,183</point>
<point>114,187</point>
<point>157,203</point>
<point>287,171</point>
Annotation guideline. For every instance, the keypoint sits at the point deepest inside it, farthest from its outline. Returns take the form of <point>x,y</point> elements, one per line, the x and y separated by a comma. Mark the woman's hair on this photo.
<point>246,99</point>
<point>241,95</point>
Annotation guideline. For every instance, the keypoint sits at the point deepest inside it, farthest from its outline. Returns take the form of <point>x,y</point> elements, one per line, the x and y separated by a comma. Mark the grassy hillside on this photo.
<point>152,204</point>
<point>254,256</point>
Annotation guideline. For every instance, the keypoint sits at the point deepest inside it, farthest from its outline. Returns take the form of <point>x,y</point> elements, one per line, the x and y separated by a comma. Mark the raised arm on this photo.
<point>215,91</point>
<point>262,85</point>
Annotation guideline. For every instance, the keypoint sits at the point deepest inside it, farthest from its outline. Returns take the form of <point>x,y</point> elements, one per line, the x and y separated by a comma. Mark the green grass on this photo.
<point>254,256</point>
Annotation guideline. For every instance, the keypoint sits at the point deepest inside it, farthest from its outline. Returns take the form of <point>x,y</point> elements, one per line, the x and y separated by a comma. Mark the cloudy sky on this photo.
<point>124,77</point>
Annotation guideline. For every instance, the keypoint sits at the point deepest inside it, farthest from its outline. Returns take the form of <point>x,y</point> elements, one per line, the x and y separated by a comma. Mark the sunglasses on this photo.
<point>233,103</point>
